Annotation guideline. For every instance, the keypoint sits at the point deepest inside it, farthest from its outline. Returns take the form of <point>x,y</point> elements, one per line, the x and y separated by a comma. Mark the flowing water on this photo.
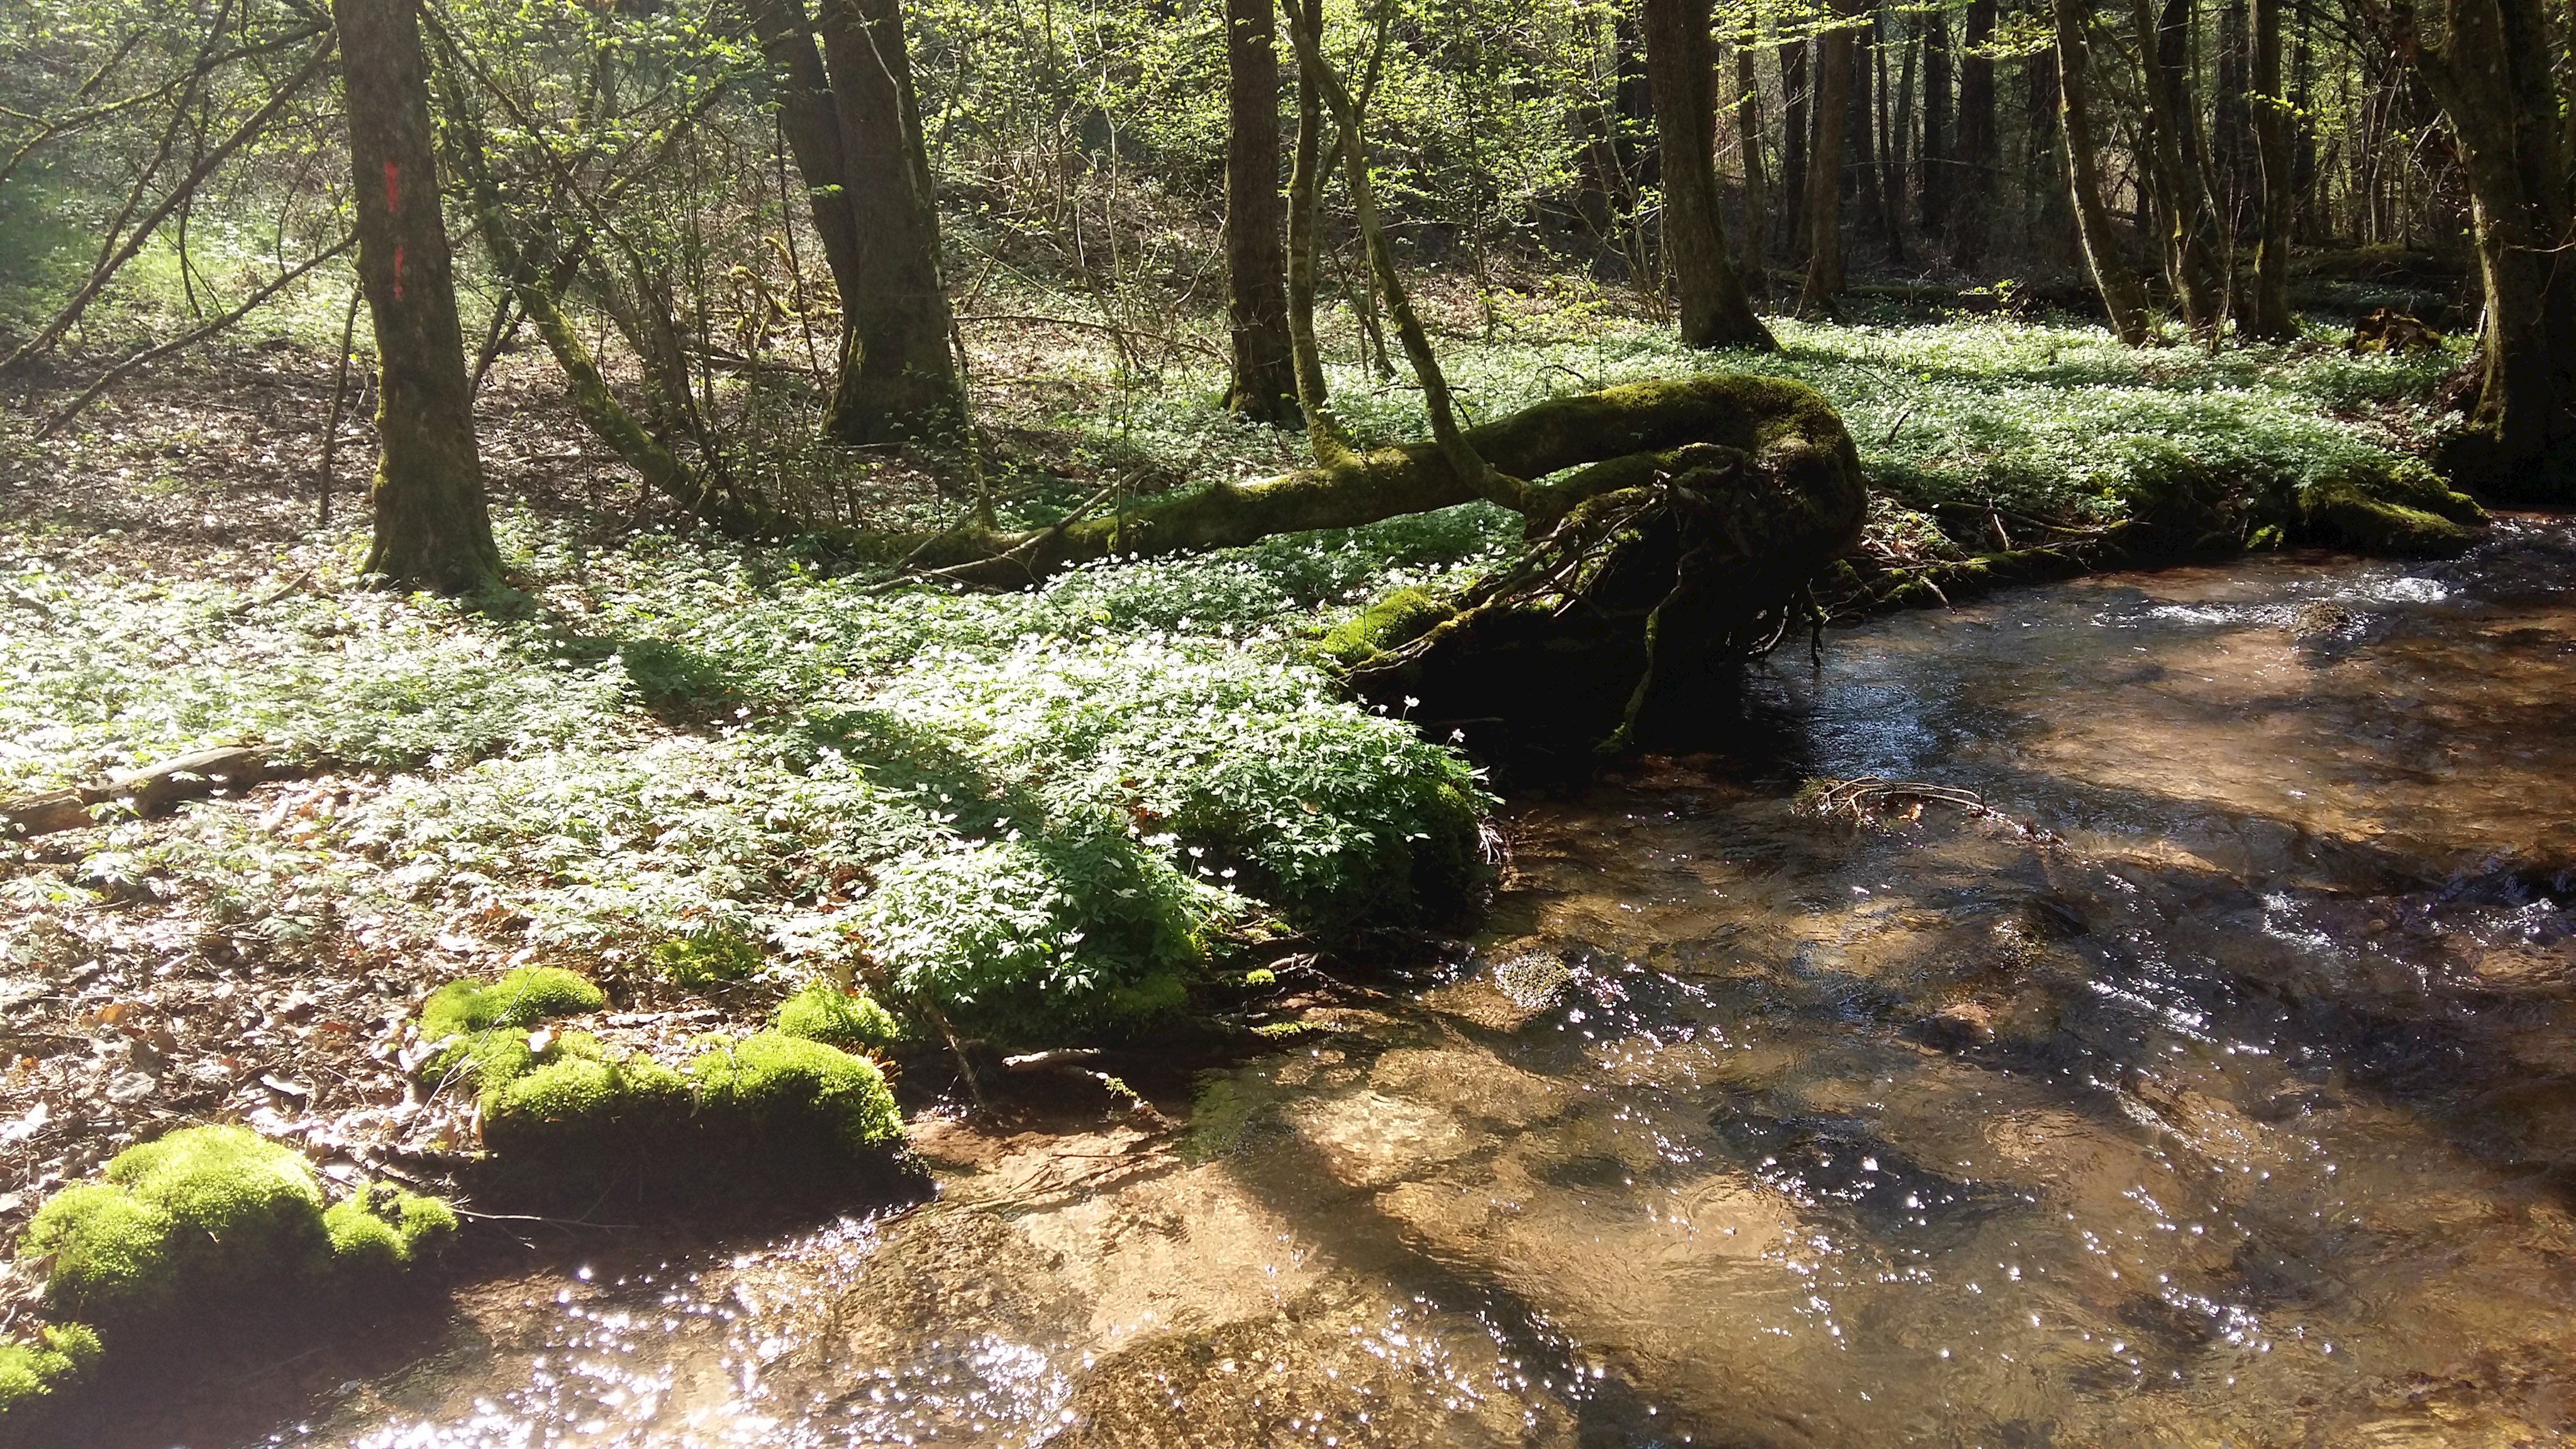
<point>2209,1085</point>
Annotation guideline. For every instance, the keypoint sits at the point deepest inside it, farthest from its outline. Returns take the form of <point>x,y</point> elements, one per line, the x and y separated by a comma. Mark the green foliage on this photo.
<point>207,1215</point>
<point>1031,937</point>
<point>58,1356</point>
<point>850,1020</point>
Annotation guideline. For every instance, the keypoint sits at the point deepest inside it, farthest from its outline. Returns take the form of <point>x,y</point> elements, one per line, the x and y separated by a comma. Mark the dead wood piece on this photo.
<point>152,790</point>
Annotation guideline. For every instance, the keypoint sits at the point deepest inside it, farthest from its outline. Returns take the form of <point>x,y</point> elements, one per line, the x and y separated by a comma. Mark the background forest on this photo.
<point>819,460</point>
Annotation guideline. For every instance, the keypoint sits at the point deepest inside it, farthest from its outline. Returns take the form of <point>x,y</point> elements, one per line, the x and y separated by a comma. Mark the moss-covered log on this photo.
<point>1787,428</point>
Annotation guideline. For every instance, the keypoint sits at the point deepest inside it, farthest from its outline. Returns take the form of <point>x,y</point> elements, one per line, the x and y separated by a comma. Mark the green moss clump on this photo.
<point>852,1021</point>
<point>206,1210</point>
<point>521,998</point>
<point>708,956</point>
<point>29,1371</point>
<point>210,1213</point>
<point>780,1084</point>
<point>2396,510</point>
<point>384,1227</point>
<point>564,1117</point>
<point>1390,623</point>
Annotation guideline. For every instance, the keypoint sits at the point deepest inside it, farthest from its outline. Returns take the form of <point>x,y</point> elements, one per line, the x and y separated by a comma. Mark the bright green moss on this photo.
<point>521,998</point>
<point>580,1085</point>
<point>381,1226</point>
<point>779,1082</point>
<point>108,1248</point>
<point>29,1371</point>
<point>710,956</point>
<point>210,1213</point>
<point>1391,623</point>
<point>852,1021</point>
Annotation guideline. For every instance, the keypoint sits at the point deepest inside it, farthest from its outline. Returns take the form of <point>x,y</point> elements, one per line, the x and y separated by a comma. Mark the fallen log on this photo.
<point>1671,526</point>
<point>1767,417</point>
<point>153,790</point>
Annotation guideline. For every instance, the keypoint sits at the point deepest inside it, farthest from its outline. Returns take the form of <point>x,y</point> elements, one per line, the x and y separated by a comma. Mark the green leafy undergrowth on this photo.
<point>565,1114</point>
<point>208,1220</point>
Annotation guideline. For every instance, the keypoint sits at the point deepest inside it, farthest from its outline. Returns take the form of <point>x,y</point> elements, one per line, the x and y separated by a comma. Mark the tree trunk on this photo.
<point>2122,297</point>
<point>2270,314</point>
<point>1862,175</point>
<point>1324,431</point>
<point>2492,75</point>
<point>1794,132</point>
<point>855,131</point>
<point>1971,202</point>
<point>899,379</point>
<point>1264,385</point>
<point>432,529</point>
<point>1757,200</point>
<point>1824,280</point>
<point>1714,309</point>
<point>2185,211</point>
<point>1936,123</point>
<point>1898,131</point>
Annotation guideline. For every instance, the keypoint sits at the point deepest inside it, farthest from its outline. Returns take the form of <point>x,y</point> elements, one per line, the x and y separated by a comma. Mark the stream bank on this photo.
<point>2209,1085</point>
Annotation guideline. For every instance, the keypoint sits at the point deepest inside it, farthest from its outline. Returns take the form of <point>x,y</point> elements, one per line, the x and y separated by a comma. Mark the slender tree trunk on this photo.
<point>432,528</point>
<point>1324,431</point>
<point>1748,127</point>
<point>2491,73</point>
<point>1862,173</point>
<point>2185,211</point>
<point>1794,135</point>
<point>1980,155</point>
<point>1898,129</point>
<point>2122,297</point>
<point>899,378</point>
<point>1936,122</point>
<point>1714,309</point>
<point>2270,314</point>
<point>1264,385</point>
<point>1824,280</point>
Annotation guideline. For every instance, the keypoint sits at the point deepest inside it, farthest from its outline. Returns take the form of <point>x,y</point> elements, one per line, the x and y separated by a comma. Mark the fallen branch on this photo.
<point>153,790</point>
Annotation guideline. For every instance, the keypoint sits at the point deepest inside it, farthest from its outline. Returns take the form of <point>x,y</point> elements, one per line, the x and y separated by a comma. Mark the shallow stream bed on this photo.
<point>2214,1084</point>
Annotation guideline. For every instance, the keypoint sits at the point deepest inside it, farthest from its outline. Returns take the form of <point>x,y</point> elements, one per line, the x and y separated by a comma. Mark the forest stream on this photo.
<point>2213,1082</point>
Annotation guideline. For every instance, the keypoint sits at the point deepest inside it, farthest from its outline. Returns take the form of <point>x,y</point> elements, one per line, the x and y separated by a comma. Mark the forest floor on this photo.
<point>644,766</point>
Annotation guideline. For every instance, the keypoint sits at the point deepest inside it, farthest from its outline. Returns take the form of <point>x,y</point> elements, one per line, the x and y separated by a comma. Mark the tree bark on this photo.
<point>1324,431</point>
<point>2269,316</point>
<point>1264,385</point>
<point>1862,176</point>
<point>855,130</point>
<point>1936,123</point>
<point>1715,312</point>
<point>2186,214</point>
<point>432,529</point>
<point>1824,279</point>
<point>1757,199</point>
<point>1897,129</point>
<point>2490,70</point>
<point>903,382</point>
<point>2122,297</point>
<point>1971,201</point>
<point>1794,134</point>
